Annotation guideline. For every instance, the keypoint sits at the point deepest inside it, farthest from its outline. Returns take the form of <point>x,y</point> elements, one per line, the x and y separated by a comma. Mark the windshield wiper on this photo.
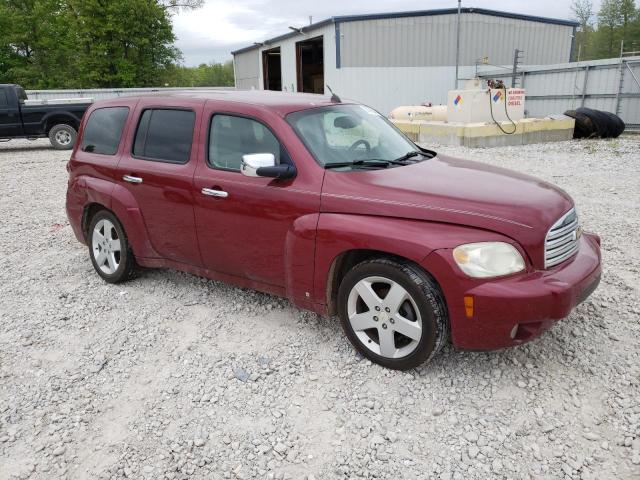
<point>408,155</point>
<point>374,163</point>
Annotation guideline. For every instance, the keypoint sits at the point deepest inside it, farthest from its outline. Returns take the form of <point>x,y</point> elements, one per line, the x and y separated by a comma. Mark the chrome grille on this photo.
<point>562,239</point>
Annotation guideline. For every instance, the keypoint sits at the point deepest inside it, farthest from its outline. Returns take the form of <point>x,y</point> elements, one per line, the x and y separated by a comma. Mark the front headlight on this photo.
<point>488,259</point>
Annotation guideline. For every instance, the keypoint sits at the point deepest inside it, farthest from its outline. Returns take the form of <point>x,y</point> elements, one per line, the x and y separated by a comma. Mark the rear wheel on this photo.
<point>62,137</point>
<point>393,313</point>
<point>109,249</point>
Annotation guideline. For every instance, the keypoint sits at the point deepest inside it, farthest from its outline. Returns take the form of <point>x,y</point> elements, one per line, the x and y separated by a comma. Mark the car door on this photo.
<point>10,124</point>
<point>158,171</point>
<point>246,225</point>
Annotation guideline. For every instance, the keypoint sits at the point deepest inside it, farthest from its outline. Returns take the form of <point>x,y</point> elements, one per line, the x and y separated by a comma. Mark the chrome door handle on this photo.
<point>130,179</point>
<point>215,193</point>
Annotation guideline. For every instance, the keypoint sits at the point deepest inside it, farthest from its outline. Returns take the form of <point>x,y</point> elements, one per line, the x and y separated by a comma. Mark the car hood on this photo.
<point>450,190</point>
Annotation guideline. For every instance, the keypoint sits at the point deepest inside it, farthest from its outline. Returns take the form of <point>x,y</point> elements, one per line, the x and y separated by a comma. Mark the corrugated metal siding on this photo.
<point>247,66</point>
<point>557,88</point>
<point>288,59</point>
<point>387,88</point>
<point>431,41</point>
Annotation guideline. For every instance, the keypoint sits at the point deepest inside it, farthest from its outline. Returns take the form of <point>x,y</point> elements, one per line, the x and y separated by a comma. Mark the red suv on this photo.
<point>327,204</point>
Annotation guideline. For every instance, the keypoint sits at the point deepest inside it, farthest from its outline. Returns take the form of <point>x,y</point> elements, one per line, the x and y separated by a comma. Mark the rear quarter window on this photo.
<point>165,135</point>
<point>103,130</point>
<point>4,100</point>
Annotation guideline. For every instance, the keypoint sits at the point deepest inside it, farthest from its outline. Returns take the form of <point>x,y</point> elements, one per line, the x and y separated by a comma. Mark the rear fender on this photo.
<point>125,207</point>
<point>58,117</point>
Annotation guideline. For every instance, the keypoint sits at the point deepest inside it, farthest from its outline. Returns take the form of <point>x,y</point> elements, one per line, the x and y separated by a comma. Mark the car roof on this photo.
<point>282,103</point>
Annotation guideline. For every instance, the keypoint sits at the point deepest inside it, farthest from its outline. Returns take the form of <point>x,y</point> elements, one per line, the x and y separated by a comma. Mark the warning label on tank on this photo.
<point>497,96</point>
<point>516,97</point>
<point>457,101</point>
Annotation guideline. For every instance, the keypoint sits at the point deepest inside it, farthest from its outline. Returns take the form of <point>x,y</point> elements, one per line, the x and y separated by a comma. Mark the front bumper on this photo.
<point>512,310</point>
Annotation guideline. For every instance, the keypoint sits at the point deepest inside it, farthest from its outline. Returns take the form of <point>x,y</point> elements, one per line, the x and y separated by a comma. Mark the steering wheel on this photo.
<point>357,143</point>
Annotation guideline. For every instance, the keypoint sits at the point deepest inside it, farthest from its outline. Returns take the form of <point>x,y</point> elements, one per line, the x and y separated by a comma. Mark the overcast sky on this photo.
<point>210,33</point>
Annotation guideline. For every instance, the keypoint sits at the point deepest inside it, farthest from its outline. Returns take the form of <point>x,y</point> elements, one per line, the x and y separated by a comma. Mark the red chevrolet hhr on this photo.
<point>326,203</point>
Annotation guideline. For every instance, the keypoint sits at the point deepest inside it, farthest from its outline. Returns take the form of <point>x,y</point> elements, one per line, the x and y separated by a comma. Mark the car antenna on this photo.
<point>334,98</point>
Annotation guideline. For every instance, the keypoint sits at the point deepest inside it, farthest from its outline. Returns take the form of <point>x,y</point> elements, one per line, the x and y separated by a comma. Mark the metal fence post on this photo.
<point>584,85</point>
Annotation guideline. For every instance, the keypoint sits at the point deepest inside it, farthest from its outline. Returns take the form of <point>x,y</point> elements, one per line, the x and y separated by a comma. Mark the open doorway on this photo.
<point>272,69</point>
<point>310,65</point>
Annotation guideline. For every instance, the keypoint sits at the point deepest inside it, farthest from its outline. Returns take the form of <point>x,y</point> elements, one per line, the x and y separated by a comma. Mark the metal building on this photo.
<point>405,58</point>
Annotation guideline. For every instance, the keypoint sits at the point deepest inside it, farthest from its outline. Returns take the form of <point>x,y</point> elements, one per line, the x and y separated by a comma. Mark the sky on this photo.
<point>210,33</point>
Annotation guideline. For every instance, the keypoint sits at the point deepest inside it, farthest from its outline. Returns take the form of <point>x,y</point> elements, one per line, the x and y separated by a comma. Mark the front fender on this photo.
<point>299,259</point>
<point>410,239</point>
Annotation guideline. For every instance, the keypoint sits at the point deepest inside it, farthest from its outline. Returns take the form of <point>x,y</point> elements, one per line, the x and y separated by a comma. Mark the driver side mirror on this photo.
<point>264,165</point>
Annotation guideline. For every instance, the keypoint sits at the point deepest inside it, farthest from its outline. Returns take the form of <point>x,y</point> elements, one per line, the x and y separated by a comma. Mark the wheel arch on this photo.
<point>88,213</point>
<point>105,195</point>
<point>58,118</point>
<point>345,261</point>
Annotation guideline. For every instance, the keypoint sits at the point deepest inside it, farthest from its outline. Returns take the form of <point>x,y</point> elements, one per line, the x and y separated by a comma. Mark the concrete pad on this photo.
<point>483,135</point>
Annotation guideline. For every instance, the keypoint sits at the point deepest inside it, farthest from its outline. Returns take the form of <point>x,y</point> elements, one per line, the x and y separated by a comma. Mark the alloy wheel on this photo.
<point>106,245</point>
<point>63,137</point>
<point>384,317</point>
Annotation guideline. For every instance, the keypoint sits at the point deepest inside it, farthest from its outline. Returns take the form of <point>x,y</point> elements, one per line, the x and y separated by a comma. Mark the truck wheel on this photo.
<point>393,313</point>
<point>109,249</point>
<point>62,136</point>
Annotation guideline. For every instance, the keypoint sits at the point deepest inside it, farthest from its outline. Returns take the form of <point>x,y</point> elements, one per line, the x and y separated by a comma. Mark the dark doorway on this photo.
<point>272,69</point>
<point>310,65</point>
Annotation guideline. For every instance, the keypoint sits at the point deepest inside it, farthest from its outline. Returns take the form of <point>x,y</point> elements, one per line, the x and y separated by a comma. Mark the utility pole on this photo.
<point>516,62</point>
<point>458,42</point>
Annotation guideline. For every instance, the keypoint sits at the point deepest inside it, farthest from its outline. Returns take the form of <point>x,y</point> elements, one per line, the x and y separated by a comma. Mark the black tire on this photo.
<point>126,261</point>
<point>592,123</point>
<point>62,136</point>
<point>426,295</point>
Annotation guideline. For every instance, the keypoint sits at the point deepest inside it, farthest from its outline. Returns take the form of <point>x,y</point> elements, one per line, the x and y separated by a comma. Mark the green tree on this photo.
<point>204,75</point>
<point>121,43</point>
<point>609,18</point>
<point>583,12</point>
<point>87,43</point>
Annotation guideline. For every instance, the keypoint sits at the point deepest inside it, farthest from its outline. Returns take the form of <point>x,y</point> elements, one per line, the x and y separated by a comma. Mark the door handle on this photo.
<point>214,193</point>
<point>130,179</point>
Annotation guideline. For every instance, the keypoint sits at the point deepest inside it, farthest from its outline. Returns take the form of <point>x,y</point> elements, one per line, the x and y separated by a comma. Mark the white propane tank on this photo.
<point>437,113</point>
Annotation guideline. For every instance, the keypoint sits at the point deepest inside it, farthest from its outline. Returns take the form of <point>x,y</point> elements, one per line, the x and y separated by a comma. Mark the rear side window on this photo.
<point>165,135</point>
<point>4,101</point>
<point>232,137</point>
<point>103,130</point>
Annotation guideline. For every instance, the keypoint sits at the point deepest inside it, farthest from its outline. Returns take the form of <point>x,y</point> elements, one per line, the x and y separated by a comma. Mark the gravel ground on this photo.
<point>174,376</point>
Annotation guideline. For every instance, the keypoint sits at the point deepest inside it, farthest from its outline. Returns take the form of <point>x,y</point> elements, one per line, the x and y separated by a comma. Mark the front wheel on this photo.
<point>109,248</point>
<point>62,137</point>
<point>393,313</point>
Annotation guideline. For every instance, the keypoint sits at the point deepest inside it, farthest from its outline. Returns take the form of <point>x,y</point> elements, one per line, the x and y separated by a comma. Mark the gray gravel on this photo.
<point>174,376</point>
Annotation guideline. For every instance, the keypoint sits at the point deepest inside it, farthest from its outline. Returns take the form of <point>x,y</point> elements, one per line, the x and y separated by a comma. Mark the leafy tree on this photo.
<point>583,11</point>
<point>608,22</point>
<point>617,21</point>
<point>87,43</point>
<point>204,75</point>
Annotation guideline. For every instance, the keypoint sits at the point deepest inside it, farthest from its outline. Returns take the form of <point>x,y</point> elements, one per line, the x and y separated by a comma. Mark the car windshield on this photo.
<point>353,136</point>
